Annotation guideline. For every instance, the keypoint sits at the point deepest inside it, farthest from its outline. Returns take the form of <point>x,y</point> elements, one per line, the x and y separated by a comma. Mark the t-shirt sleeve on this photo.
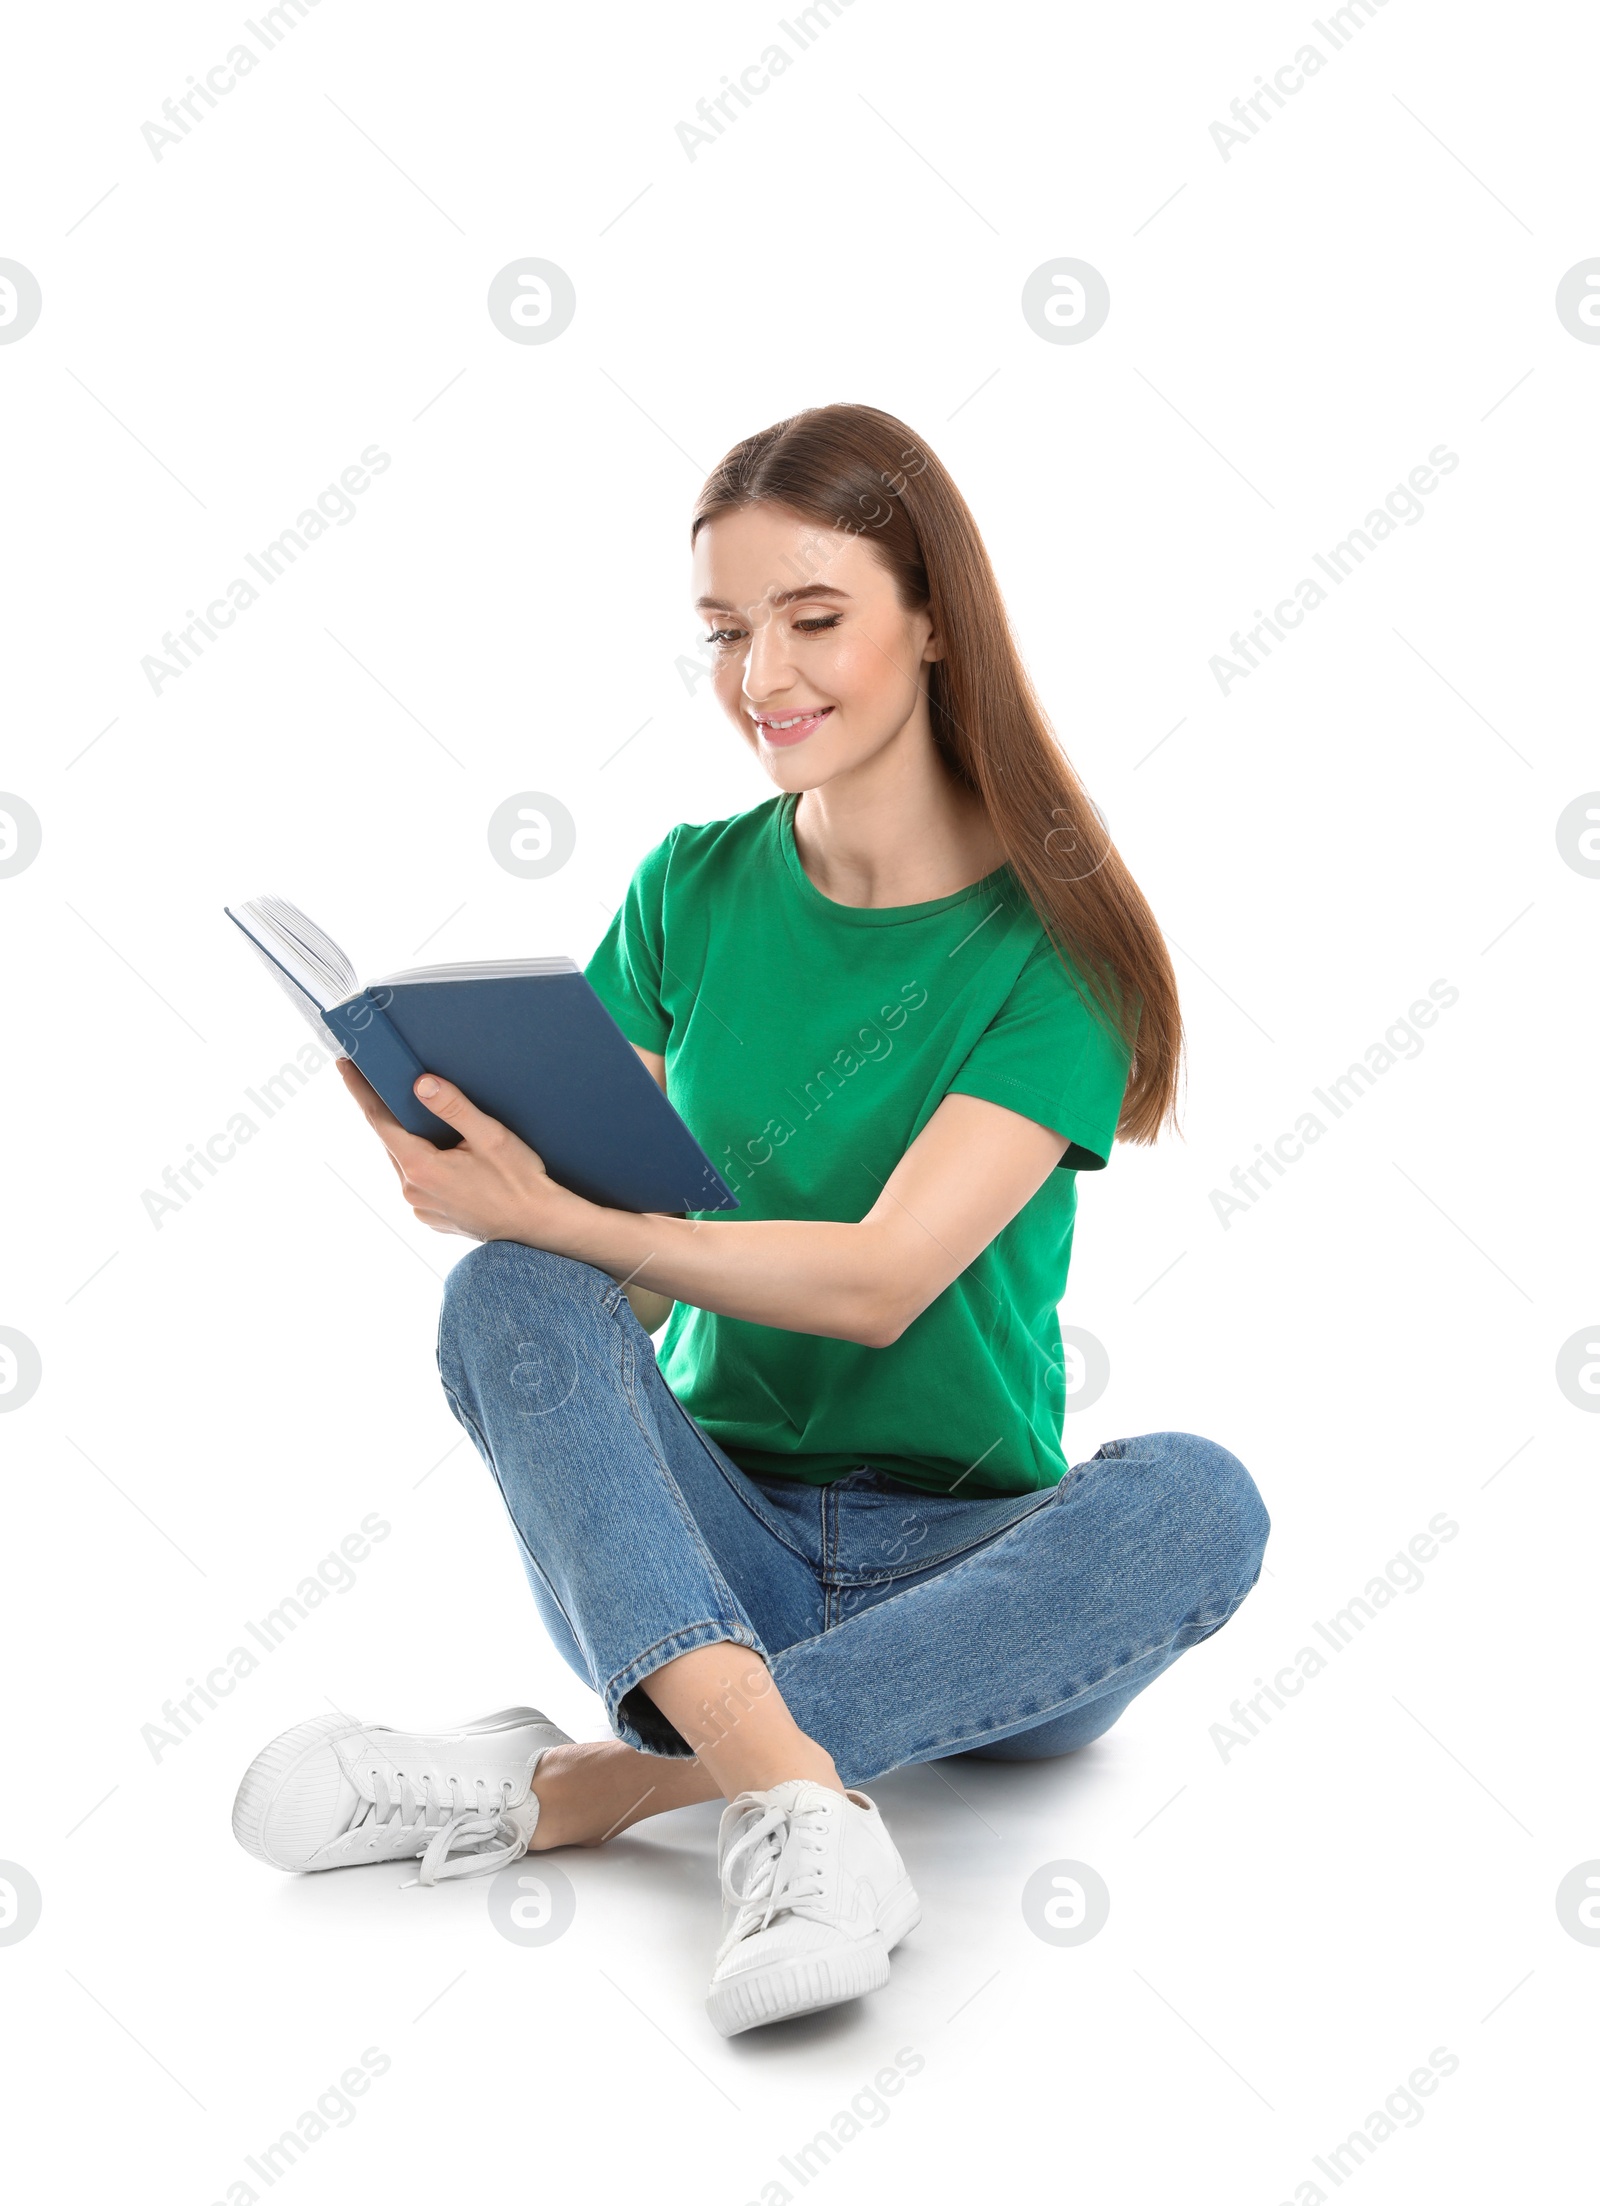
<point>1048,1056</point>
<point>625,971</point>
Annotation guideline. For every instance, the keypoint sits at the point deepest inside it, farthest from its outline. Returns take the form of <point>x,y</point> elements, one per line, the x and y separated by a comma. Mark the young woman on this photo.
<point>829,1528</point>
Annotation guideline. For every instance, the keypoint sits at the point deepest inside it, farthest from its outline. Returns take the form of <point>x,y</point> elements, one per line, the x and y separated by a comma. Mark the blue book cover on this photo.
<point>526,1040</point>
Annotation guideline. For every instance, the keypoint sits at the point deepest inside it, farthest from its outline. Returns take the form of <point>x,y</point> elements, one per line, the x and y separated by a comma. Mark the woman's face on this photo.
<point>817,662</point>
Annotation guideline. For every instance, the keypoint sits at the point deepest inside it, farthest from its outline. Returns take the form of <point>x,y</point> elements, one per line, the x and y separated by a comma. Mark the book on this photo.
<point>525,1039</point>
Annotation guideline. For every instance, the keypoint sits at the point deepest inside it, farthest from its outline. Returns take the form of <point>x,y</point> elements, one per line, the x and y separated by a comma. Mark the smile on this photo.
<point>793,728</point>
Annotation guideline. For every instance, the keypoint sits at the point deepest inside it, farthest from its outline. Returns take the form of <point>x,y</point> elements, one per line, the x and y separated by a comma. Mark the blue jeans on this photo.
<point>899,1626</point>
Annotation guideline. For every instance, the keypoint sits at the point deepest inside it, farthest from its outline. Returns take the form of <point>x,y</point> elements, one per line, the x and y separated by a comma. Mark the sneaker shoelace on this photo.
<point>457,1827</point>
<point>775,1865</point>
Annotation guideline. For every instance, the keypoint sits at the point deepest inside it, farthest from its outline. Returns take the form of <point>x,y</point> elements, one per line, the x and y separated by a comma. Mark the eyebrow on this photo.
<point>784,597</point>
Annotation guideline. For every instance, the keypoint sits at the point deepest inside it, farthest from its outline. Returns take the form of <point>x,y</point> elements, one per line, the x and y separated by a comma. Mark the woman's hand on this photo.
<point>492,1188</point>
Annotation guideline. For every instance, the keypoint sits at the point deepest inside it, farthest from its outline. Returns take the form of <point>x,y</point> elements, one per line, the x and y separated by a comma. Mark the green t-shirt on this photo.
<point>807,1044</point>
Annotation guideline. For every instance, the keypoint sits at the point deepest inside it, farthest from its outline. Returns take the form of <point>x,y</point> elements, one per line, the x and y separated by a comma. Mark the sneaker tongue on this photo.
<point>524,1817</point>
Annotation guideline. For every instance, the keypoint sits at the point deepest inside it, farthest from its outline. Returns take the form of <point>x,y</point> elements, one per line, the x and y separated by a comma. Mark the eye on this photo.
<point>719,638</point>
<point>815,627</point>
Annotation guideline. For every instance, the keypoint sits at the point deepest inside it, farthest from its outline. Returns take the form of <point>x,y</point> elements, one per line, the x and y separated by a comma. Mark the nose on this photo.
<point>768,668</point>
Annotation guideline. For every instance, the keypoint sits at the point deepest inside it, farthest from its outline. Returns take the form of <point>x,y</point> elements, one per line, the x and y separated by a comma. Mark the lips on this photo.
<point>782,728</point>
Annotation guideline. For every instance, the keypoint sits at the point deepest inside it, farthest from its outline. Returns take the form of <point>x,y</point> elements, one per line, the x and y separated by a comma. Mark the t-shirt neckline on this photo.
<point>869,915</point>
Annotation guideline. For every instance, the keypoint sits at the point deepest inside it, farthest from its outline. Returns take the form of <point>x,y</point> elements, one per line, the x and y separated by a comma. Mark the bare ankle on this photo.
<point>595,1789</point>
<point>798,1757</point>
<point>561,1785</point>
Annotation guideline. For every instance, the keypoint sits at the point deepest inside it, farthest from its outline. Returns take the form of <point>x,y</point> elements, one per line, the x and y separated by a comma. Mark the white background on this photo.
<point>1292,1930</point>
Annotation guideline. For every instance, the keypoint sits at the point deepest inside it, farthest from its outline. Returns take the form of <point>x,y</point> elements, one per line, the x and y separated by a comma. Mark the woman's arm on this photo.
<point>651,1309</point>
<point>965,1177</point>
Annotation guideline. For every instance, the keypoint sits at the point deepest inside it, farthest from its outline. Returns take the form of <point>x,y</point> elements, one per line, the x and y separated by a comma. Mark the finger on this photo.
<point>369,1102</point>
<point>404,1148</point>
<point>474,1126</point>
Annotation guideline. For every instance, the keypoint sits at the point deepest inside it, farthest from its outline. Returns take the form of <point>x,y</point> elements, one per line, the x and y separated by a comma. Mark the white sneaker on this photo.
<point>333,1793</point>
<point>818,1899</point>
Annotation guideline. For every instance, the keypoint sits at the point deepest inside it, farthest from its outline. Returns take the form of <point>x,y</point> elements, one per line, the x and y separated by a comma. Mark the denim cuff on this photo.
<point>635,1718</point>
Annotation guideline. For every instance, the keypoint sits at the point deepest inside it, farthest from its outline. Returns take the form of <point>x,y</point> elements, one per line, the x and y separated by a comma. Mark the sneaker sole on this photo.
<point>266,1775</point>
<point>787,1988</point>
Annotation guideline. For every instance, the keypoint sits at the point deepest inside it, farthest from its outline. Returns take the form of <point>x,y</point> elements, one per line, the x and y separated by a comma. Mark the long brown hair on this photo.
<point>854,468</point>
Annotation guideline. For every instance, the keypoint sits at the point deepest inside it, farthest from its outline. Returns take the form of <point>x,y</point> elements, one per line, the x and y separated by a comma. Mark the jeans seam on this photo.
<point>732,1625</point>
<point>713,1570</point>
<point>465,1417</point>
<point>1029,1720</point>
<point>640,1666</point>
<point>949,1554</point>
<point>1034,1718</point>
<point>739,1487</point>
<point>632,1675</point>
